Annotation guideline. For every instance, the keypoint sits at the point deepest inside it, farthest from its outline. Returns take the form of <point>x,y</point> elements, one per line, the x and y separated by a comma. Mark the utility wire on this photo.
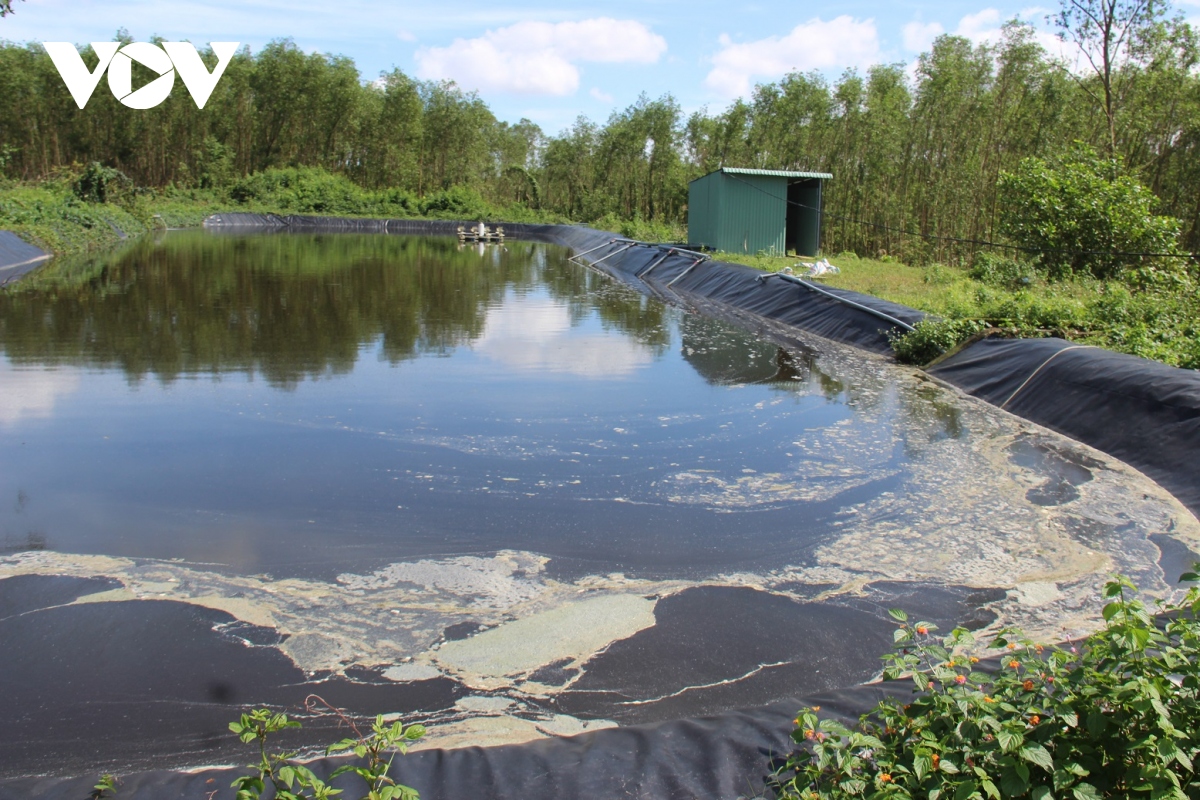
<point>981,242</point>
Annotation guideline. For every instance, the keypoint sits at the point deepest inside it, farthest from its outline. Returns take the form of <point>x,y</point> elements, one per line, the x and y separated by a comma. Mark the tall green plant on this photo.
<point>291,780</point>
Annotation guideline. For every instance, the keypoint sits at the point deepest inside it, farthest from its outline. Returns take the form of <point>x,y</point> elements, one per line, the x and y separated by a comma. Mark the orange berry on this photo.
<point>1035,719</point>
<point>1028,686</point>
<point>960,679</point>
<point>987,699</point>
<point>921,629</point>
<point>974,660</point>
<point>936,760</point>
<point>885,778</point>
<point>1014,663</point>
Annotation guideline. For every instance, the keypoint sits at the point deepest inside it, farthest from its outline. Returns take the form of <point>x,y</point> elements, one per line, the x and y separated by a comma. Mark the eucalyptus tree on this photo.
<point>1103,32</point>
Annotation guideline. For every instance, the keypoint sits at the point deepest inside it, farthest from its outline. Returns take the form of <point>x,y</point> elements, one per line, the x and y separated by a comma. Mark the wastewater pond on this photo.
<point>489,490</point>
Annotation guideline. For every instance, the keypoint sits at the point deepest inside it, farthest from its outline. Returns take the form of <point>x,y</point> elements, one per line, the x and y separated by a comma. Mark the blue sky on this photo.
<point>551,62</point>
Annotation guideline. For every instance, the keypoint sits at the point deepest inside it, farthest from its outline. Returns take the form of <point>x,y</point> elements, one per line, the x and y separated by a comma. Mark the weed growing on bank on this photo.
<point>288,779</point>
<point>88,208</point>
<point>1115,715</point>
<point>1158,318</point>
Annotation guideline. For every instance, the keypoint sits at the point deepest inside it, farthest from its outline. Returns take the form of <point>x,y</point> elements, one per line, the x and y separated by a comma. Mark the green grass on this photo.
<point>1160,323</point>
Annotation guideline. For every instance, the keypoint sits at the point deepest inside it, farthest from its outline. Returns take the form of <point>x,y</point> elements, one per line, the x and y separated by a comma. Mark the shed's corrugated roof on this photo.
<point>776,173</point>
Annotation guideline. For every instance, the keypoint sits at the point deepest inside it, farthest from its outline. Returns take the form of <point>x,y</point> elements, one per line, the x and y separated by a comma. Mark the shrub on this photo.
<point>1077,210</point>
<point>640,229</point>
<point>930,338</point>
<point>300,190</point>
<point>997,270</point>
<point>1116,715</point>
<point>457,202</point>
<point>99,184</point>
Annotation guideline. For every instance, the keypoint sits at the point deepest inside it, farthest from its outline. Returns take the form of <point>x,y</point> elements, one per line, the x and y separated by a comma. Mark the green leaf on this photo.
<point>1013,783</point>
<point>1085,791</point>
<point>922,766</point>
<point>1036,754</point>
<point>1009,741</point>
<point>1041,793</point>
<point>965,790</point>
<point>896,614</point>
<point>853,786</point>
<point>990,788</point>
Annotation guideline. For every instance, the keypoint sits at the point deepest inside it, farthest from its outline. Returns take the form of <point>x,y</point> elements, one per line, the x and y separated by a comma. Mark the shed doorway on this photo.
<point>803,221</point>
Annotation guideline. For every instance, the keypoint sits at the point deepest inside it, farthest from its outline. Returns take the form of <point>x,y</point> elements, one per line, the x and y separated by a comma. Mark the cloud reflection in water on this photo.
<point>31,393</point>
<point>534,334</point>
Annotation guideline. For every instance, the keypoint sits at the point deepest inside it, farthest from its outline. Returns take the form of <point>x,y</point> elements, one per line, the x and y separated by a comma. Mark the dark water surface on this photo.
<point>484,488</point>
<point>312,405</point>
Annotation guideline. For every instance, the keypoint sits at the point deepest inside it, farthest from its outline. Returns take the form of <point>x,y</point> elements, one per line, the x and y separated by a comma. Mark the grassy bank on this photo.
<point>90,209</point>
<point>1156,322</point>
<point>81,210</point>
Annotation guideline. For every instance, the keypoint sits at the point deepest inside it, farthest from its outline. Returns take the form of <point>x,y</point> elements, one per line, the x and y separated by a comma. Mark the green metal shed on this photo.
<point>756,210</point>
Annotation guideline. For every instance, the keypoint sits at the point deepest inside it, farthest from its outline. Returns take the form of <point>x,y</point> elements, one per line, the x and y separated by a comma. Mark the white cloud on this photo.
<point>816,44</point>
<point>602,96</point>
<point>406,36</point>
<point>918,36</point>
<point>539,57</point>
<point>984,26</point>
<point>32,393</point>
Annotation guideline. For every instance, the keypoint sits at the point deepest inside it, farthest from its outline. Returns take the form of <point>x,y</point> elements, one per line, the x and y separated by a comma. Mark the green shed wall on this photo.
<point>738,214</point>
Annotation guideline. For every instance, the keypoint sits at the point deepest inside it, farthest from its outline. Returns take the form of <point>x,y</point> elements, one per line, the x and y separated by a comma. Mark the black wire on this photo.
<point>981,242</point>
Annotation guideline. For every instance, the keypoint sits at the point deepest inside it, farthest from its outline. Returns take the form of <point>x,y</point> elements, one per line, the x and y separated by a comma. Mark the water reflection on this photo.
<point>536,334</point>
<point>32,393</point>
<point>291,307</point>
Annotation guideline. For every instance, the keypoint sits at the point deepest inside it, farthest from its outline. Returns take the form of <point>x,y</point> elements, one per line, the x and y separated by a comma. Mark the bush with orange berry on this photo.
<point>1114,715</point>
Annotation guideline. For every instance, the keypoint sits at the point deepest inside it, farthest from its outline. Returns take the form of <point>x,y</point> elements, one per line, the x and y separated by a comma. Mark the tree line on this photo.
<point>916,155</point>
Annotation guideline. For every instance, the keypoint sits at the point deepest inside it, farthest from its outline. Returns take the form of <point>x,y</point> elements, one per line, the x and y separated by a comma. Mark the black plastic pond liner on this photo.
<point>1142,412</point>
<point>722,757</point>
<point>17,257</point>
